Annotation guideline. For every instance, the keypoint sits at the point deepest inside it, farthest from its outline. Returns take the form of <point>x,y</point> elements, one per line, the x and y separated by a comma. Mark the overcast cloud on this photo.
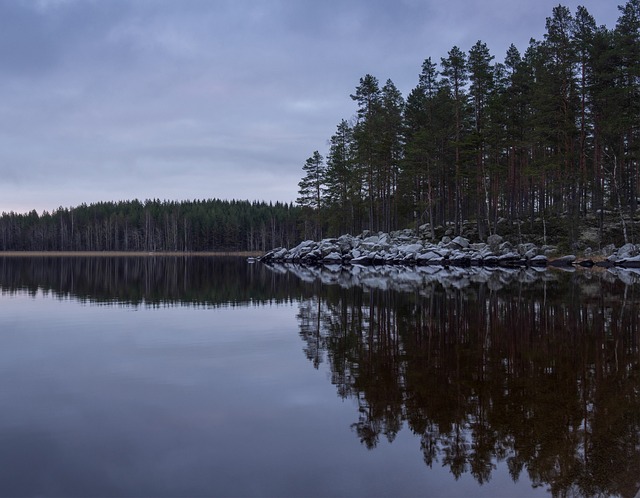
<point>113,100</point>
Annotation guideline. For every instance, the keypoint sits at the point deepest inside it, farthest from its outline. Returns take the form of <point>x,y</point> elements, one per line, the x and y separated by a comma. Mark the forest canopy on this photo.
<point>153,225</point>
<point>549,133</point>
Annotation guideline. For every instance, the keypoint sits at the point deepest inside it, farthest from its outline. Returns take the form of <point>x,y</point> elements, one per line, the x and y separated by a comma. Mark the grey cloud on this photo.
<point>37,37</point>
<point>115,99</point>
<point>25,46</point>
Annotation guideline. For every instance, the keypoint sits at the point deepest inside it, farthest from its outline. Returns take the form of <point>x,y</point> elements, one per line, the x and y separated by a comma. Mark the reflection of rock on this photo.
<point>403,278</point>
<point>630,276</point>
<point>419,278</point>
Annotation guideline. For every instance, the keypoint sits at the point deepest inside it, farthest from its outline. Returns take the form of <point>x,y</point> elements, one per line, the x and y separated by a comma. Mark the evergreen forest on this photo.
<point>551,134</point>
<point>153,225</point>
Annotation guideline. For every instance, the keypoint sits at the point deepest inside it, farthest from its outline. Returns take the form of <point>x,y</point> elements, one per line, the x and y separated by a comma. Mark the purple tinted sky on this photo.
<point>120,99</point>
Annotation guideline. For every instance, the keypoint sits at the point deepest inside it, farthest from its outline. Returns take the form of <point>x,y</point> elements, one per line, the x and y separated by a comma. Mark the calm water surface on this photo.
<point>213,377</point>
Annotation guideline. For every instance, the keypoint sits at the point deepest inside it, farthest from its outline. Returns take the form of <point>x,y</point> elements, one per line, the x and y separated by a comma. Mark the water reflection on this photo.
<point>538,371</point>
<point>541,373</point>
<point>150,280</point>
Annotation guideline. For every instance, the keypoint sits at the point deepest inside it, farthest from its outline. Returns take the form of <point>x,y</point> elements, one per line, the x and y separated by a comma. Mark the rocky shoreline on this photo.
<point>406,248</point>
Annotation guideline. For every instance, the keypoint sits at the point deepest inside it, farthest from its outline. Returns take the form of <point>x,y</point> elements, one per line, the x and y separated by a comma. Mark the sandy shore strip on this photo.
<point>129,254</point>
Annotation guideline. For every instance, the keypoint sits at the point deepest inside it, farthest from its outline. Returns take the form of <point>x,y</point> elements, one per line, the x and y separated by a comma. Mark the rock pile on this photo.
<point>627,256</point>
<point>405,248</point>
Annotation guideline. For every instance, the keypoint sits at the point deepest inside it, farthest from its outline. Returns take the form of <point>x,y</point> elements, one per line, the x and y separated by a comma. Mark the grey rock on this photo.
<point>279,253</point>
<point>627,251</point>
<point>630,262</point>
<point>563,261</point>
<point>490,260</point>
<point>410,248</point>
<point>328,248</point>
<point>461,241</point>
<point>505,247</point>
<point>525,248</point>
<point>333,257</point>
<point>345,243</point>
<point>362,260</point>
<point>539,260</point>
<point>429,256</point>
<point>373,239</point>
<point>479,246</point>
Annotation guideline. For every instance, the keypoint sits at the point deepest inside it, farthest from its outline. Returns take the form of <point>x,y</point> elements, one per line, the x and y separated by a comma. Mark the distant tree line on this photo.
<point>551,132</point>
<point>154,225</point>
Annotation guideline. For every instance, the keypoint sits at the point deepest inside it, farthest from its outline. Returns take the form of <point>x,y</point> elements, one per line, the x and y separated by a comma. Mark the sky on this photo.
<point>109,100</point>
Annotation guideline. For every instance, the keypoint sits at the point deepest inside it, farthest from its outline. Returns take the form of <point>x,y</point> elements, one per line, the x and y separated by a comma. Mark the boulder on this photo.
<point>525,248</point>
<point>494,242</point>
<point>410,248</point>
<point>461,241</point>
<point>481,246</point>
<point>332,258</point>
<point>630,262</point>
<point>505,248</point>
<point>539,260</point>
<point>490,260</point>
<point>345,243</point>
<point>373,239</point>
<point>627,251</point>
<point>327,247</point>
<point>364,260</point>
<point>563,261</point>
<point>429,257</point>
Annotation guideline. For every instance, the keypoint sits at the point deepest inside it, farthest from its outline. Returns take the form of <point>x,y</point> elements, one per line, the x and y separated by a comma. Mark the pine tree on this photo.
<point>391,153</point>
<point>584,32</point>
<point>560,93</point>
<point>481,75</point>
<point>367,140</point>
<point>627,46</point>
<point>342,181</point>
<point>311,191</point>
<point>418,179</point>
<point>454,71</point>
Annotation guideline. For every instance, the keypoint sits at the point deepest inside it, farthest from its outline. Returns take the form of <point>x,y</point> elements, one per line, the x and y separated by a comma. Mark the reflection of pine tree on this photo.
<point>309,318</point>
<point>368,427</point>
<point>150,280</point>
<point>455,451</point>
<point>542,377</point>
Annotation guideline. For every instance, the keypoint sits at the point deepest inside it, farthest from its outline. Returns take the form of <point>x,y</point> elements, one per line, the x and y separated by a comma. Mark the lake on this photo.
<point>204,376</point>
